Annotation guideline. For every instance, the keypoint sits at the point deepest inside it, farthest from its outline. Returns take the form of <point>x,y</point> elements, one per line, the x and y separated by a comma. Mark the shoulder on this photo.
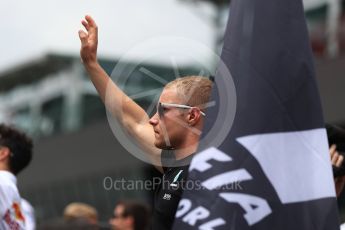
<point>8,181</point>
<point>8,192</point>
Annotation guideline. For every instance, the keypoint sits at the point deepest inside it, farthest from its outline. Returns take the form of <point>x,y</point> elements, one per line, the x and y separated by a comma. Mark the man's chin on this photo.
<point>162,146</point>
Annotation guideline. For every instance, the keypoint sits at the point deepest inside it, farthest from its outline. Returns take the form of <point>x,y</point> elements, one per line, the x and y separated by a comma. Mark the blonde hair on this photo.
<point>193,90</point>
<point>77,210</point>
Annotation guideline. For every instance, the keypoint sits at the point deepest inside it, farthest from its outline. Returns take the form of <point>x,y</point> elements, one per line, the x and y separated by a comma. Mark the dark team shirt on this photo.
<point>169,192</point>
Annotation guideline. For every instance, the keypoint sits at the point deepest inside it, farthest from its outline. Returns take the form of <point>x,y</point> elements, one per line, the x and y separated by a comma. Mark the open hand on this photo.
<point>89,40</point>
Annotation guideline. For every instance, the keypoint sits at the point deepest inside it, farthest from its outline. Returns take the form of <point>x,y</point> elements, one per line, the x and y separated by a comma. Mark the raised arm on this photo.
<point>132,117</point>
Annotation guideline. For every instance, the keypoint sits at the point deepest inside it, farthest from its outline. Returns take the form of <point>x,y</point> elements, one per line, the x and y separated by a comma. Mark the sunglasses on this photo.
<point>162,105</point>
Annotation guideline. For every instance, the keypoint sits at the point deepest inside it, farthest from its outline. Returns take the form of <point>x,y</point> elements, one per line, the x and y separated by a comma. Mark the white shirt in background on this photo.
<point>29,214</point>
<point>342,227</point>
<point>11,215</point>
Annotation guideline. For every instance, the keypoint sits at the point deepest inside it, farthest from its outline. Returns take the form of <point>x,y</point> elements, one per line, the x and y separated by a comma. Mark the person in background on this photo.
<point>130,215</point>
<point>336,139</point>
<point>15,155</point>
<point>337,160</point>
<point>80,212</point>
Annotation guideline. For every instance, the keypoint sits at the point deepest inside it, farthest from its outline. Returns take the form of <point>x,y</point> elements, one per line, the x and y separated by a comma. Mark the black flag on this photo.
<point>273,170</point>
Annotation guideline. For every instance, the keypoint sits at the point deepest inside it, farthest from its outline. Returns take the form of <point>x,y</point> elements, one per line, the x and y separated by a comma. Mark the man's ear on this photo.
<point>4,153</point>
<point>194,116</point>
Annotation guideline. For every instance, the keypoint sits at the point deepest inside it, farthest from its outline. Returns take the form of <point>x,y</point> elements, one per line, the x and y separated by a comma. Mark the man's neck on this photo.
<point>3,167</point>
<point>185,151</point>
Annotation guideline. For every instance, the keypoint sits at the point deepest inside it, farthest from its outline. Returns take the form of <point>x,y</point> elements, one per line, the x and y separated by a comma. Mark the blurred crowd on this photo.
<point>127,215</point>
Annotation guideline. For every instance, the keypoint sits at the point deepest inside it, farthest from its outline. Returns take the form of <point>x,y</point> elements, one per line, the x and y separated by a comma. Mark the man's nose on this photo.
<point>154,119</point>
